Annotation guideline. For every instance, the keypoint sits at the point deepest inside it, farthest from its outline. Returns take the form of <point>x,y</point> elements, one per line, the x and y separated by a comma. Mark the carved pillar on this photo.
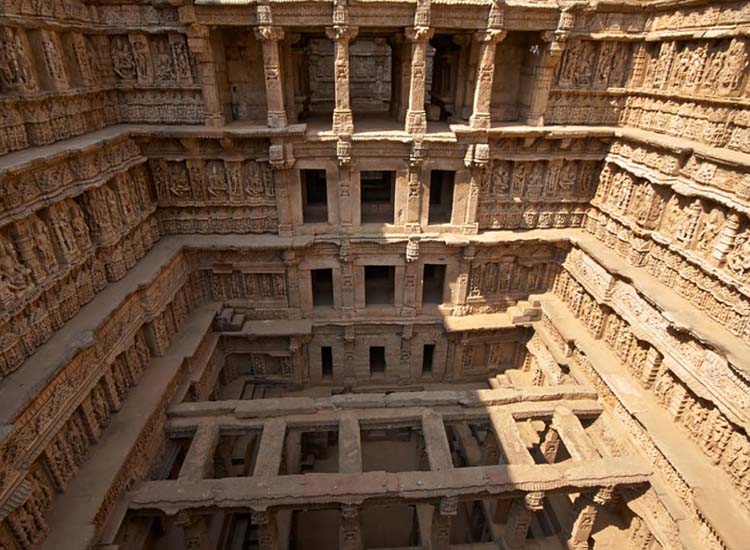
<point>199,41</point>
<point>268,531</point>
<point>519,519</point>
<point>343,122</point>
<point>550,445</point>
<point>350,533</point>
<point>441,523</point>
<point>651,367</point>
<point>51,51</point>
<point>542,76</point>
<point>415,191</point>
<point>269,37</point>
<point>291,261</point>
<point>583,516</point>
<point>416,118</point>
<point>488,40</point>
<point>347,279</point>
<point>195,531</point>
<point>477,160</point>
<point>462,283</point>
<point>726,239</point>
<point>281,160</point>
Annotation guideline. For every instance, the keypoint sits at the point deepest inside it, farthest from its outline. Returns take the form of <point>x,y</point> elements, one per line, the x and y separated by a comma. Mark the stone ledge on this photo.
<point>714,496</point>
<point>71,516</point>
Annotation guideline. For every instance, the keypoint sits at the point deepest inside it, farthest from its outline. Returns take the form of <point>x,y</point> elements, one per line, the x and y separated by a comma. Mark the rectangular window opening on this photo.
<point>314,196</point>
<point>377,360</point>
<point>428,353</point>
<point>380,284</point>
<point>376,193</point>
<point>441,196</point>
<point>322,287</point>
<point>326,359</point>
<point>433,283</point>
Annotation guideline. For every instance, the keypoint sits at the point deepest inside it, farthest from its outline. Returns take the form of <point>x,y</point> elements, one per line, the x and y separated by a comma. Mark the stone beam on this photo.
<point>436,441</point>
<point>575,438</point>
<point>511,444</point>
<point>236,421</point>
<point>171,496</point>
<point>199,460</point>
<point>350,445</point>
<point>271,447</point>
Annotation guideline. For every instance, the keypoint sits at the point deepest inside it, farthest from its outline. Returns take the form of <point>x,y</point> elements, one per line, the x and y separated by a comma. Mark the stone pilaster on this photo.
<point>342,35</point>
<point>651,367</point>
<point>269,36</point>
<point>542,76</point>
<point>726,239</point>
<point>199,42</point>
<point>488,40</point>
<point>416,118</point>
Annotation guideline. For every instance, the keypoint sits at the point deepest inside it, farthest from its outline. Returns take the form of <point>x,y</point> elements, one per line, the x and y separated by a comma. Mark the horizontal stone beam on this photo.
<point>330,419</point>
<point>331,490</point>
<point>305,405</point>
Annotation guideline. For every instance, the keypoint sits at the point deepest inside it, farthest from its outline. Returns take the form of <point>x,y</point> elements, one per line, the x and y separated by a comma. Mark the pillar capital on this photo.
<point>269,32</point>
<point>418,34</point>
<point>345,33</point>
<point>490,36</point>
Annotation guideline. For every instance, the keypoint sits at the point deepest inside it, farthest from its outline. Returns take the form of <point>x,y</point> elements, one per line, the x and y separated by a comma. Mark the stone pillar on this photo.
<point>519,519</point>
<point>550,445</point>
<point>477,160</point>
<point>441,523</point>
<point>416,118</point>
<point>268,531</point>
<point>199,41</point>
<point>462,283</point>
<point>269,37</point>
<point>350,532</point>
<point>347,279</point>
<point>416,178</point>
<point>542,76</point>
<point>726,239</point>
<point>199,461</point>
<point>195,531</point>
<point>583,516</point>
<point>488,39</point>
<point>291,262</point>
<point>343,122</point>
<point>281,160</point>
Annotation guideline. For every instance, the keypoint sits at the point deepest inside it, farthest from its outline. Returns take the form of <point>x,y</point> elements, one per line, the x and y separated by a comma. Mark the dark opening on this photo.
<point>326,358</point>
<point>442,97</point>
<point>432,284</point>
<point>314,196</point>
<point>376,192</point>
<point>441,196</point>
<point>427,354</point>
<point>377,359</point>
<point>380,284</point>
<point>322,287</point>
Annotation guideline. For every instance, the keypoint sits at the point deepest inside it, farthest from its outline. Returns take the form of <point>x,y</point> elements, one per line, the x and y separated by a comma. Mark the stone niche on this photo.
<point>515,59</point>
<point>240,74</point>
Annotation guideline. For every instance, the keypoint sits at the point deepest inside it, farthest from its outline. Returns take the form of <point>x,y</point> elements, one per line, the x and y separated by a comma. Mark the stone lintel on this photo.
<point>338,489</point>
